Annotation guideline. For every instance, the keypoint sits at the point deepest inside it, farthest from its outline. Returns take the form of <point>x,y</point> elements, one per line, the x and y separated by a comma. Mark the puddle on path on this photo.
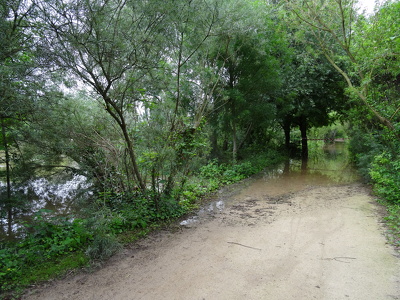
<point>328,165</point>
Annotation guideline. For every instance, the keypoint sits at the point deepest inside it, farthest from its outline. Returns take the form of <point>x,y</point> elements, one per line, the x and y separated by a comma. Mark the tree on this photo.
<point>16,82</point>
<point>109,46</point>
<point>247,60</point>
<point>146,64</point>
<point>333,24</point>
<point>313,95</point>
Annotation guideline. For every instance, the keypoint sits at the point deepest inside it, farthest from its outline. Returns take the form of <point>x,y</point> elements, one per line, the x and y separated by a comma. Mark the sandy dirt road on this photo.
<point>300,241</point>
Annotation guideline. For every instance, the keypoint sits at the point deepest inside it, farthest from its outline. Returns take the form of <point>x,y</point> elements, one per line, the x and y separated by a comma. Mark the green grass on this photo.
<point>56,268</point>
<point>47,270</point>
<point>392,220</point>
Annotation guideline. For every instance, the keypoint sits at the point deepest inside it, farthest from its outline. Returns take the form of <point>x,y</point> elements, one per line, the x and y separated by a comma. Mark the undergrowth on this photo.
<point>54,245</point>
<point>377,157</point>
<point>393,224</point>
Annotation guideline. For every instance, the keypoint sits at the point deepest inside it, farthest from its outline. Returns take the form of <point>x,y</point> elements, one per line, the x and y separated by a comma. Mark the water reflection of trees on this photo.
<point>326,162</point>
<point>57,196</point>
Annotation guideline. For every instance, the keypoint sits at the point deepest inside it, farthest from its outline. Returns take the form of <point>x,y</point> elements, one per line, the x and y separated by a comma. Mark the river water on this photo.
<point>55,196</point>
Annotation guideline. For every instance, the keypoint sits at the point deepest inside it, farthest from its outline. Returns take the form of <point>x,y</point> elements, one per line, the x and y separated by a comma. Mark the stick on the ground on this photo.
<point>244,245</point>
<point>340,259</point>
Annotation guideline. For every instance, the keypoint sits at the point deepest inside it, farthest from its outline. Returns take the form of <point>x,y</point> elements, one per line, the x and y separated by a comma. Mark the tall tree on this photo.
<point>108,45</point>
<point>333,24</point>
<point>16,81</point>
<point>143,62</point>
<point>249,68</point>
<point>313,94</point>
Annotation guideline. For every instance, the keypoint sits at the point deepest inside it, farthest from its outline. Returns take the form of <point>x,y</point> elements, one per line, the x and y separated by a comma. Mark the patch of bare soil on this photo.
<point>315,243</point>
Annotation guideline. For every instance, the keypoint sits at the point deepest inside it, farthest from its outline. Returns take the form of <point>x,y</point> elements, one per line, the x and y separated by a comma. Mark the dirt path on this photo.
<point>311,242</point>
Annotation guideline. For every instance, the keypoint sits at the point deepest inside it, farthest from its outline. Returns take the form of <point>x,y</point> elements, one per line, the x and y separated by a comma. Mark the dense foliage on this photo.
<point>159,103</point>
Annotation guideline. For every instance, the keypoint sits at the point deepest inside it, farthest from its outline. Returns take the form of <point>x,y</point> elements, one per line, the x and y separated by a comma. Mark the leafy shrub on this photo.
<point>211,170</point>
<point>364,147</point>
<point>393,223</point>
<point>130,211</point>
<point>385,174</point>
<point>103,247</point>
<point>46,240</point>
<point>218,175</point>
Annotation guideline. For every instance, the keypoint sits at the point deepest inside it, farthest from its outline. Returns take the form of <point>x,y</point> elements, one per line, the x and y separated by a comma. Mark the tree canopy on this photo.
<point>139,95</point>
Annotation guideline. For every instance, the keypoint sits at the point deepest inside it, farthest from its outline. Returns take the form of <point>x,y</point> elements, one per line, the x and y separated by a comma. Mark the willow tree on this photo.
<point>107,45</point>
<point>144,62</point>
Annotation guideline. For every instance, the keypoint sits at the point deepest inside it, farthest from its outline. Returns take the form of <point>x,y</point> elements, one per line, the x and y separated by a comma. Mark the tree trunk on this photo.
<point>304,166</point>
<point>132,156</point>
<point>8,176</point>
<point>234,141</point>
<point>214,144</point>
<point>234,133</point>
<point>118,116</point>
<point>286,167</point>
<point>286,129</point>
<point>304,143</point>
<point>225,144</point>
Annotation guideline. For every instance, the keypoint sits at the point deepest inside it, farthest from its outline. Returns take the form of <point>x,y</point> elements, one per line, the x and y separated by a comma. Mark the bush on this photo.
<point>45,240</point>
<point>393,224</point>
<point>385,174</point>
<point>212,170</point>
<point>218,175</point>
<point>103,247</point>
<point>363,148</point>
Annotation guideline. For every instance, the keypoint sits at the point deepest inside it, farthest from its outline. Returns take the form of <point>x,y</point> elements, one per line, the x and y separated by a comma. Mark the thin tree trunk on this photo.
<point>8,176</point>
<point>304,142</point>
<point>214,144</point>
<point>234,135</point>
<point>119,118</point>
<point>132,156</point>
<point>286,129</point>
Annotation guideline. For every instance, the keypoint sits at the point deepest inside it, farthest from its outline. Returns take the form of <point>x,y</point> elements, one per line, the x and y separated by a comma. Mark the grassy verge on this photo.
<point>392,222</point>
<point>385,177</point>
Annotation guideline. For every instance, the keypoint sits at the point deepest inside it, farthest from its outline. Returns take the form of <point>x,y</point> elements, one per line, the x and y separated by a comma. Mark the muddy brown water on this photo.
<point>328,166</point>
<point>290,233</point>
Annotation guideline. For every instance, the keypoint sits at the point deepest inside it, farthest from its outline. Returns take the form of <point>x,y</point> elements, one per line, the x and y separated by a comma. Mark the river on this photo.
<point>53,196</point>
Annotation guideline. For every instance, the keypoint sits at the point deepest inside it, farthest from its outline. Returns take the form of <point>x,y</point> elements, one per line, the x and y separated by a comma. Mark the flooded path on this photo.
<point>295,233</point>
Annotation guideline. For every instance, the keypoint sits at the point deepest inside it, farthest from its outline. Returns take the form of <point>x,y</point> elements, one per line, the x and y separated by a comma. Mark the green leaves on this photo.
<point>46,241</point>
<point>385,174</point>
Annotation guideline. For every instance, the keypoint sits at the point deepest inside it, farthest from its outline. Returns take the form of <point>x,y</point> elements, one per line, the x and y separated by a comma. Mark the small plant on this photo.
<point>103,247</point>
